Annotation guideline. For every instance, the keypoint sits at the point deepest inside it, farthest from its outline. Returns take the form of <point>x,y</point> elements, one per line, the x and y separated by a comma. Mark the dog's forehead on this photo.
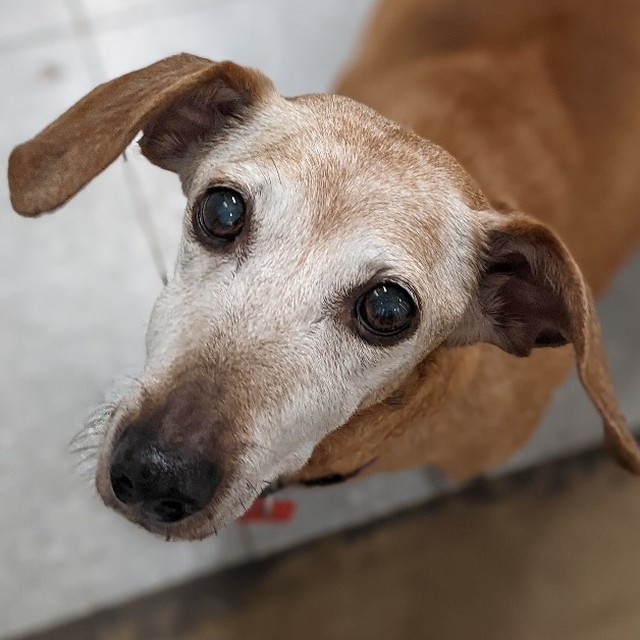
<point>337,145</point>
<point>335,168</point>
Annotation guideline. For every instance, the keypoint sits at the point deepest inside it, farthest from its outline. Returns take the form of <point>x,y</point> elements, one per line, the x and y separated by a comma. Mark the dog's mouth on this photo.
<point>225,507</point>
<point>337,478</point>
<point>161,500</point>
<point>204,524</point>
<point>166,517</point>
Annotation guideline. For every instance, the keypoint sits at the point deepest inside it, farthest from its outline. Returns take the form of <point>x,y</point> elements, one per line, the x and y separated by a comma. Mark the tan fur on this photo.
<point>254,352</point>
<point>546,121</point>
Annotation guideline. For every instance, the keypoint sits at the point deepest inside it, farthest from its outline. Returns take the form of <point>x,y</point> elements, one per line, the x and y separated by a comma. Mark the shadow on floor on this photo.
<point>549,554</point>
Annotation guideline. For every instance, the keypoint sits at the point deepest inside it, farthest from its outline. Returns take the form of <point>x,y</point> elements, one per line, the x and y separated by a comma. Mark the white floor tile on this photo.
<point>220,32</point>
<point>322,36</point>
<point>98,8</point>
<point>109,15</point>
<point>23,20</point>
<point>301,47</point>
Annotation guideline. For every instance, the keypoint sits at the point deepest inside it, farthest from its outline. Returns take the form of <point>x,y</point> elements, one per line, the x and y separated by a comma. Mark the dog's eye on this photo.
<point>220,214</point>
<point>385,310</point>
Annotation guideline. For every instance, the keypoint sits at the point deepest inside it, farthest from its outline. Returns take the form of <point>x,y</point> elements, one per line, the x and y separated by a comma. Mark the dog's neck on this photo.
<point>433,424</point>
<point>409,400</point>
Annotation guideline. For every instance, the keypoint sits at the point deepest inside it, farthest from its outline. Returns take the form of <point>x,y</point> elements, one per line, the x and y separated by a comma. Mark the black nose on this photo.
<point>170,485</point>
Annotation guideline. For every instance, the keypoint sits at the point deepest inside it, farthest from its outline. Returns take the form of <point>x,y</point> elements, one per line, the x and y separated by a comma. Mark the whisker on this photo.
<point>275,166</point>
<point>253,486</point>
<point>88,447</point>
<point>141,385</point>
<point>85,445</point>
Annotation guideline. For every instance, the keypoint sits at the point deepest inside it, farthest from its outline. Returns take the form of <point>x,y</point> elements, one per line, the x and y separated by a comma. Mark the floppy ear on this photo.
<point>531,294</point>
<point>178,102</point>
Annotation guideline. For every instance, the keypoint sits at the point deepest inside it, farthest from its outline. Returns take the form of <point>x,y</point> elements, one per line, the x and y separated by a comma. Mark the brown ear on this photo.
<point>531,294</point>
<point>177,102</point>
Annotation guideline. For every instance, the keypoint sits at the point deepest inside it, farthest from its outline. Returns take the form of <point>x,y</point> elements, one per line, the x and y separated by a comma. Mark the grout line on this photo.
<point>144,218</point>
<point>83,28</point>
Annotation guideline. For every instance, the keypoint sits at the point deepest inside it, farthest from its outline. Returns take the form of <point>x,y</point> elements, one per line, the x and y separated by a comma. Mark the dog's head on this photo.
<point>325,253</point>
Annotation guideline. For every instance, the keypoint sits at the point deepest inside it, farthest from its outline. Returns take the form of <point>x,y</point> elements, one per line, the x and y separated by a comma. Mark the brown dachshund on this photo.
<point>347,296</point>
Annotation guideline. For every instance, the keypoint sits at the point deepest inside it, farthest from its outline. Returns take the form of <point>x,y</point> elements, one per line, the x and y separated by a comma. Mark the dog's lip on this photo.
<point>273,487</point>
<point>333,478</point>
<point>200,525</point>
<point>189,528</point>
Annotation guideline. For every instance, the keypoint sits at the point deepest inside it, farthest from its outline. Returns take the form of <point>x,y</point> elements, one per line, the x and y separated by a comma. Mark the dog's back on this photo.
<point>540,101</point>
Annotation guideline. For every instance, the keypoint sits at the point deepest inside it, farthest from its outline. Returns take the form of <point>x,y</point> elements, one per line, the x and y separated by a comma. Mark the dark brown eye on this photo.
<point>385,310</point>
<point>220,214</point>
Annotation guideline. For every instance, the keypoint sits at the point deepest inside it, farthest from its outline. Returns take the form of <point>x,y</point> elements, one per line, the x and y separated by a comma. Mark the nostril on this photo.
<point>123,488</point>
<point>172,510</point>
<point>167,483</point>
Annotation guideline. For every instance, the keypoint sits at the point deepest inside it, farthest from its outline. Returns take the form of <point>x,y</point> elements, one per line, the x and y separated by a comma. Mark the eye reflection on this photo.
<point>221,213</point>
<point>385,310</point>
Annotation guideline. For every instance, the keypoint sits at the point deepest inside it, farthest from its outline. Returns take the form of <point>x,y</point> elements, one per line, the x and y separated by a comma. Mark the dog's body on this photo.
<point>540,102</point>
<point>340,277</point>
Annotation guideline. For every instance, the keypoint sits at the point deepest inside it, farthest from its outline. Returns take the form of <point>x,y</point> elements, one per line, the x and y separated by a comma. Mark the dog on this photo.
<point>357,287</point>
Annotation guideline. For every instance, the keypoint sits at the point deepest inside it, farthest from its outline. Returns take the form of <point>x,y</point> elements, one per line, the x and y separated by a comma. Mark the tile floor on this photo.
<point>550,558</point>
<point>76,290</point>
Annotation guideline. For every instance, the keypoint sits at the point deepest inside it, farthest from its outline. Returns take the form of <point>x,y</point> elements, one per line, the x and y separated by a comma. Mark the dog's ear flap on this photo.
<point>531,294</point>
<point>177,102</point>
